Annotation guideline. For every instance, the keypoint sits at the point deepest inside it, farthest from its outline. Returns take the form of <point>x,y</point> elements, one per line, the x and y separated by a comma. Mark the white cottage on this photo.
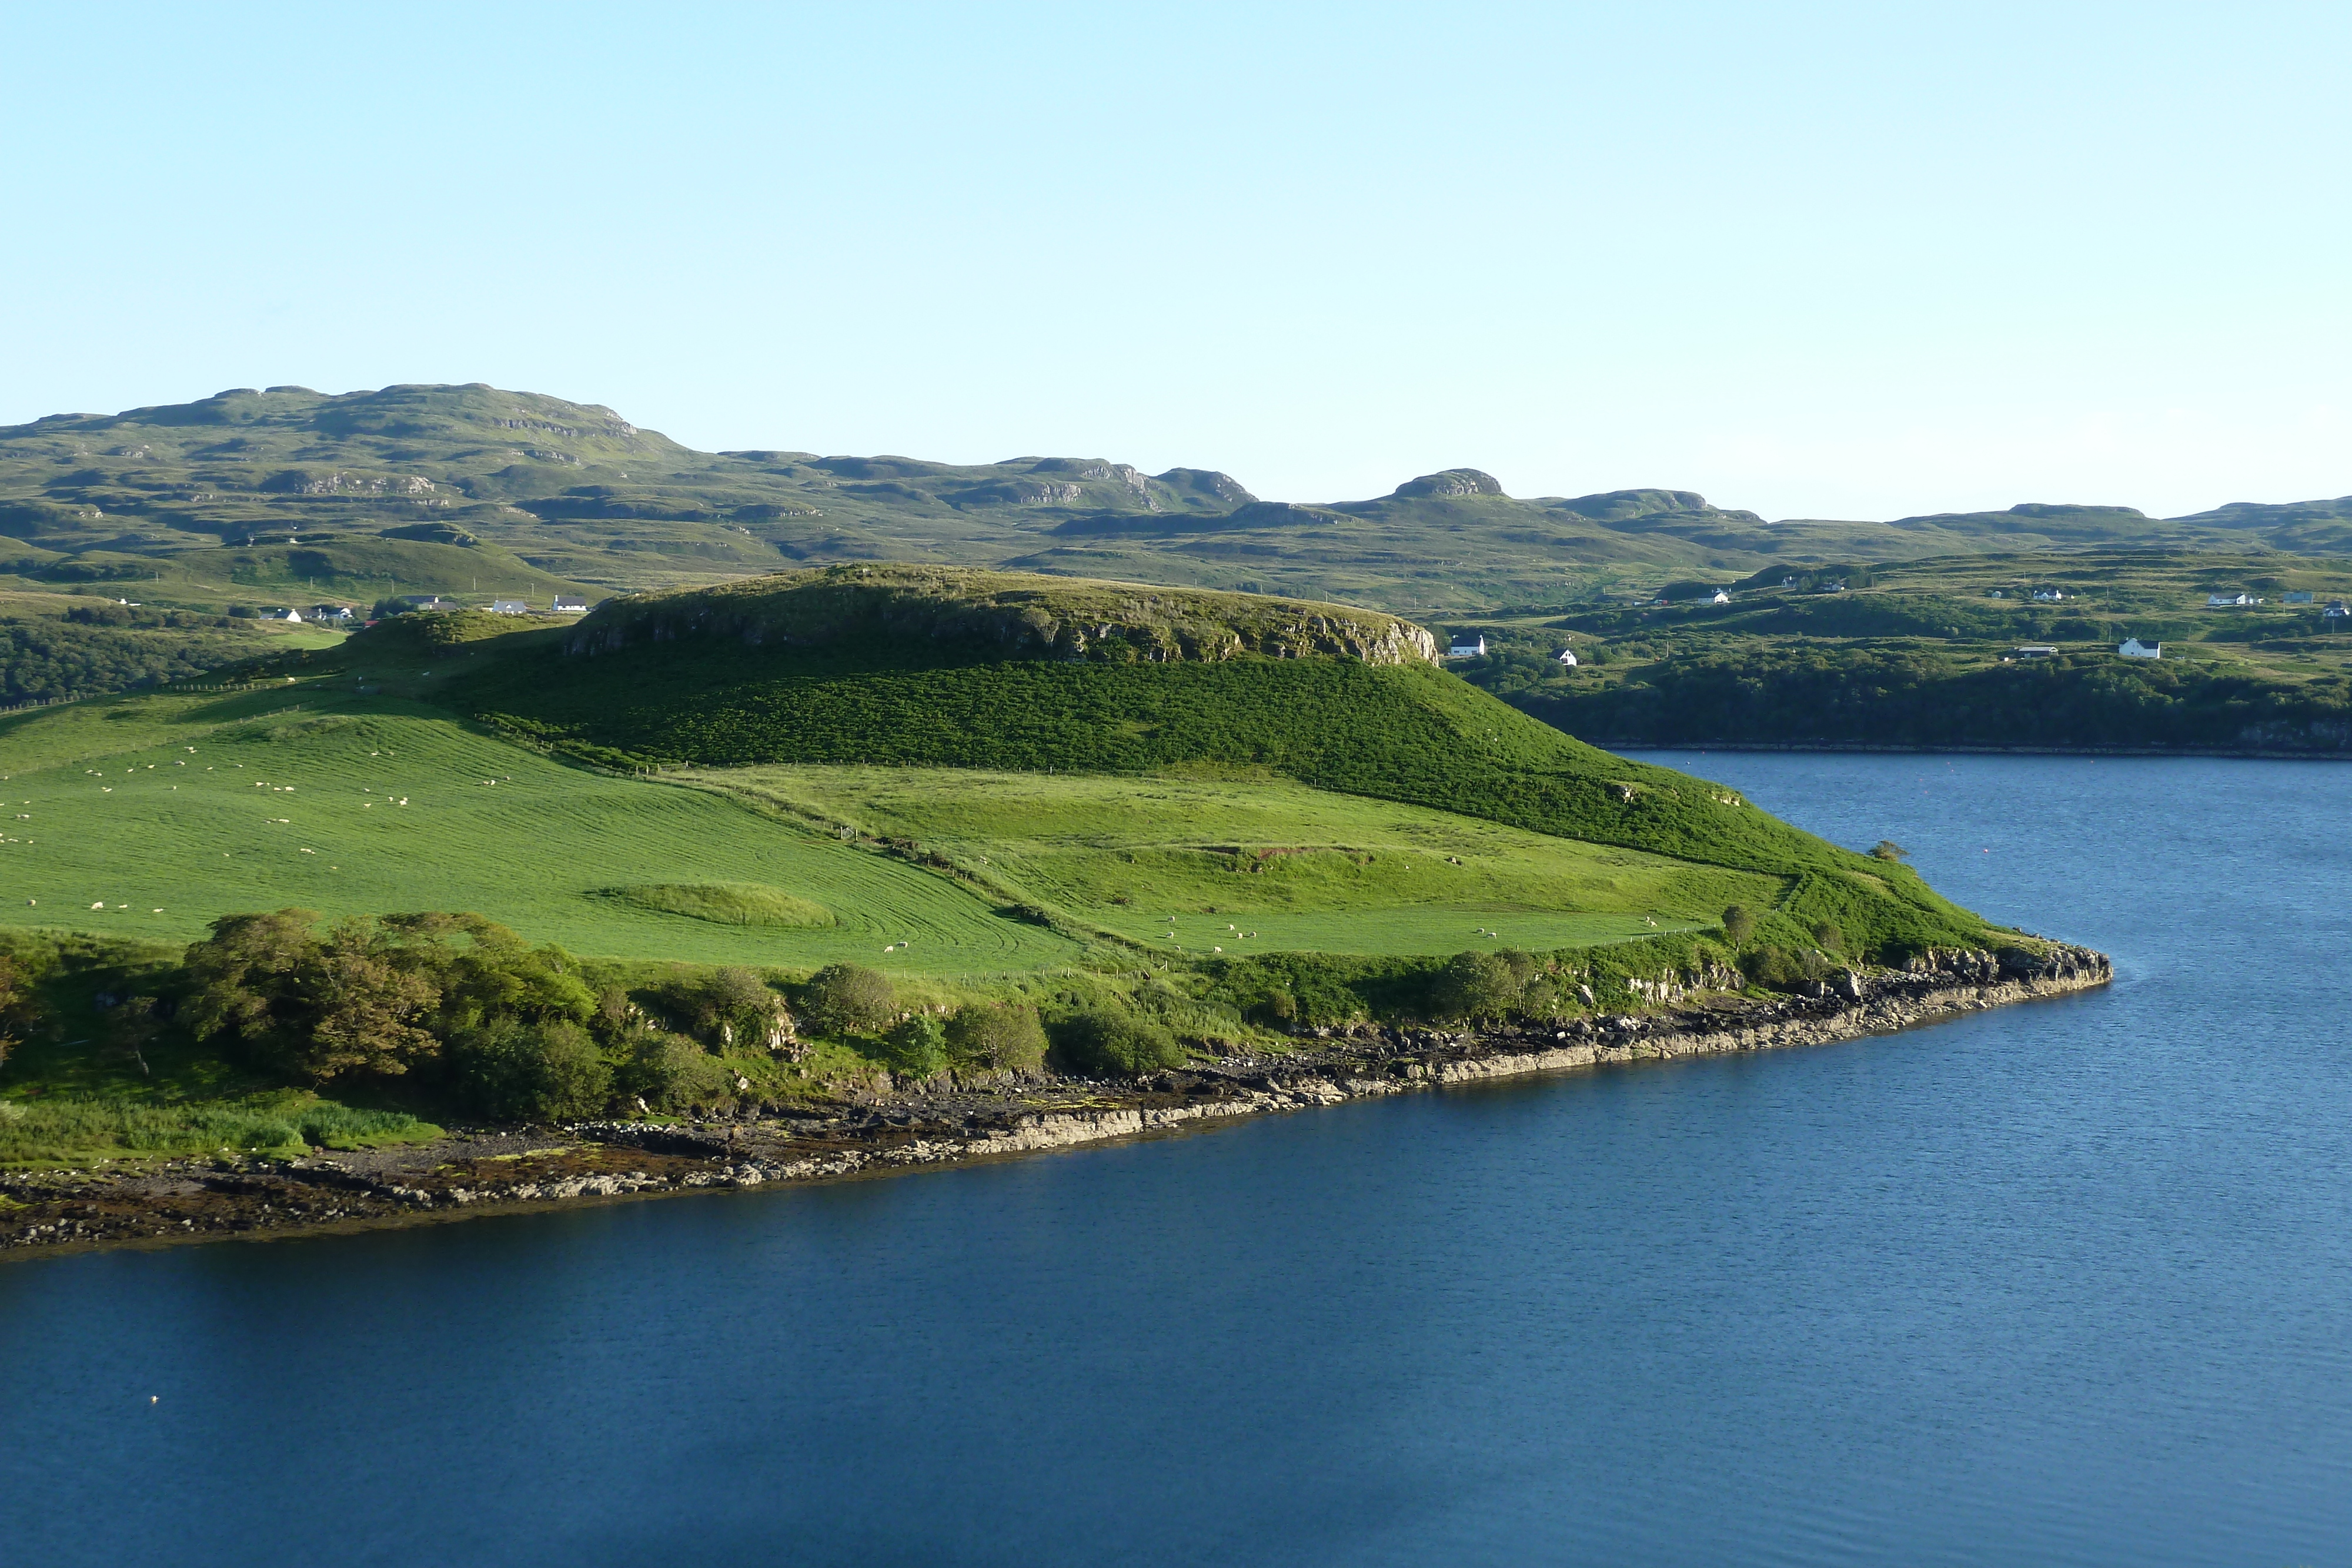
<point>2133,648</point>
<point>1472,648</point>
<point>1568,658</point>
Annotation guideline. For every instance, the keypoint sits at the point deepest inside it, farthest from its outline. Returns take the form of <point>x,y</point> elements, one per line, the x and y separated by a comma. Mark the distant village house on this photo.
<point>2133,648</point>
<point>2036,652</point>
<point>2229,600</point>
<point>333,612</point>
<point>2336,611</point>
<point>1474,648</point>
<point>509,606</point>
<point>2050,595</point>
<point>430,602</point>
<point>2299,597</point>
<point>1568,658</point>
<point>571,604</point>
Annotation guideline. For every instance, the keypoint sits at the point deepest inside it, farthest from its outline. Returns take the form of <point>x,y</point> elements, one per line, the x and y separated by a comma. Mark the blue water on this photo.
<point>2067,1283</point>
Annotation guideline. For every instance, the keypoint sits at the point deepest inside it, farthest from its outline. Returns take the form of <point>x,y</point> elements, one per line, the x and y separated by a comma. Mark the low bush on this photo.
<point>668,1072</point>
<point>1100,1043</point>
<point>1277,1008</point>
<point>847,999</point>
<point>726,1008</point>
<point>1476,986</point>
<point>1783,968</point>
<point>916,1046</point>
<point>997,1035</point>
<point>512,1071</point>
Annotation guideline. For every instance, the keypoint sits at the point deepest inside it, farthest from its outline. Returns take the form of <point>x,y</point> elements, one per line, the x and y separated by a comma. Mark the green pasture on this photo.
<point>149,816</point>
<point>1262,865</point>
<point>170,811</point>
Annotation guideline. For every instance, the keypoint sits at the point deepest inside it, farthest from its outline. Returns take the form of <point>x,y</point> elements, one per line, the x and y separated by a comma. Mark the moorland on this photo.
<point>141,543</point>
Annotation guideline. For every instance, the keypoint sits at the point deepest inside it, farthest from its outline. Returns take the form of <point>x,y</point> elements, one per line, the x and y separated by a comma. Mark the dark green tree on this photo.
<point>1100,1043</point>
<point>997,1034</point>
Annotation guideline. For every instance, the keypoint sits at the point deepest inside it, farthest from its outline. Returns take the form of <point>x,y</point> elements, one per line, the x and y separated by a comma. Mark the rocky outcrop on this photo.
<point>596,1161</point>
<point>1452,482</point>
<point>1009,613</point>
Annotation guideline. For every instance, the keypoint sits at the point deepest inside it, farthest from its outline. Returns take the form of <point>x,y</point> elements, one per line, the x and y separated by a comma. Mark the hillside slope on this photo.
<point>836,666</point>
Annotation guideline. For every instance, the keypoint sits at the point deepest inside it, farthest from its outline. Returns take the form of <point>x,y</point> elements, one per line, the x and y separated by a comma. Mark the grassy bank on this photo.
<point>74,1130</point>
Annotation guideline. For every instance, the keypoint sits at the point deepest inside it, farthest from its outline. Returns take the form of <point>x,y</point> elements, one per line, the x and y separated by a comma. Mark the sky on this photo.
<point>1843,261</point>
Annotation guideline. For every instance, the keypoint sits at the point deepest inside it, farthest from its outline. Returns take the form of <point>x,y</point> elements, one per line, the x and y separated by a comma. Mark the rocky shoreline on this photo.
<point>504,1170</point>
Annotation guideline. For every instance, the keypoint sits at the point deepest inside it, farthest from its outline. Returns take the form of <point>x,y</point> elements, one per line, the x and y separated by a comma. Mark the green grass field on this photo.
<point>892,801</point>
<point>1262,865</point>
<point>172,810</point>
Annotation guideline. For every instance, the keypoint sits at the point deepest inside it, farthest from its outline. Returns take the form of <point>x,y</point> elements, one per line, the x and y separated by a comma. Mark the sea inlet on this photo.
<point>2068,1283</point>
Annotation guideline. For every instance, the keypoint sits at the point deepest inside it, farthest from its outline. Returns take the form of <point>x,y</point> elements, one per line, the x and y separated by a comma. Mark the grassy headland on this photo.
<point>767,840</point>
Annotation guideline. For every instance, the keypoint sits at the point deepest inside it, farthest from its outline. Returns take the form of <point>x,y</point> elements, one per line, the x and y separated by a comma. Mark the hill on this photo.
<point>1926,655</point>
<point>472,490</point>
<point>461,866</point>
<point>877,669</point>
<point>931,667</point>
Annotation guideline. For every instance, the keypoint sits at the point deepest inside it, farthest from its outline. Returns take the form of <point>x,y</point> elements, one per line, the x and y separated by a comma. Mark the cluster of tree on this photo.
<point>511,1031</point>
<point>85,654</point>
<point>478,1020</point>
<point>851,1001</point>
<point>515,1032</point>
<point>102,614</point>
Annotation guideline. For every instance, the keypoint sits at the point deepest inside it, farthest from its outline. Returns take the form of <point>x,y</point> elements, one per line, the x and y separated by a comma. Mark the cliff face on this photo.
<point>1012,614</point>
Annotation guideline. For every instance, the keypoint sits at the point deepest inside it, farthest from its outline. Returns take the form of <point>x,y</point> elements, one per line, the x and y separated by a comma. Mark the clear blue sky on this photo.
<point>1818,260</point>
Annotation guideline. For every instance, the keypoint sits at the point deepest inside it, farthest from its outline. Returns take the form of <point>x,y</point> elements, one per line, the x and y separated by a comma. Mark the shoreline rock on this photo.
<point>516,1169</point>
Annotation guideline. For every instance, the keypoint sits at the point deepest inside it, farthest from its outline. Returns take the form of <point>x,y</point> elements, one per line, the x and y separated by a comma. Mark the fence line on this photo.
<point>278,685</point>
